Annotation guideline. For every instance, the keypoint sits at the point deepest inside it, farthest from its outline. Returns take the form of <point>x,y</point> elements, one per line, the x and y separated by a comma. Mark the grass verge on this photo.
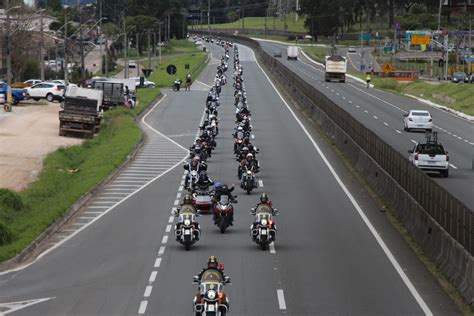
<point>69,173</point>
<point>317,53</point>
<point>461,93</point>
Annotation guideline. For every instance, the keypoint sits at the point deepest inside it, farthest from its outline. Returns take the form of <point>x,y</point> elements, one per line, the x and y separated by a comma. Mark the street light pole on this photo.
<point>65,49</point>
<point>137,63</point>
<point>439,14</point>
<point>102,70</point>
<point>9,53</point>
<point>41,47</point>
<point>159,43</point>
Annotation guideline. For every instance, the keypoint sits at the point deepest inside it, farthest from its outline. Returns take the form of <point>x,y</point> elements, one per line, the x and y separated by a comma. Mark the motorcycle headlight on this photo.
<point>187,222</point>
<point>264,222</point>
<point>211,294</point>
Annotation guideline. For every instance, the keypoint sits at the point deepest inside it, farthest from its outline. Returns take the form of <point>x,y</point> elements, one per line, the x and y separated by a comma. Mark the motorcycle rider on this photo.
<point>249,163</point>
<point>213,265</point>
<point>221,189</point>
<point>204,181</point>
<point>195,164</point>
<point>264,201</point>
<point>189,203</point>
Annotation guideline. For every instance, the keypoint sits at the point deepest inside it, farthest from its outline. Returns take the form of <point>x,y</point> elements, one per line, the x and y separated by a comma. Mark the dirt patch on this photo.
<point>27,136</point>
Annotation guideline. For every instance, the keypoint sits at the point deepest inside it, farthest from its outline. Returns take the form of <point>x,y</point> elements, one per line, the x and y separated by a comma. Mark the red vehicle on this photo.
<point>203,200</point>
<point>224,213</point>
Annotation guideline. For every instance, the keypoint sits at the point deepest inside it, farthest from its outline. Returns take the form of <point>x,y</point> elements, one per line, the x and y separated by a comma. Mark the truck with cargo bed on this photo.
<point>335,68</point>
<point>81,112</point>
<point>113,93</point>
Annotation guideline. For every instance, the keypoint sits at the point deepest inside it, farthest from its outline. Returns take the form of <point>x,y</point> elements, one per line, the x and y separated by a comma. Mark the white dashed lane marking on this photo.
<point>281,299</point>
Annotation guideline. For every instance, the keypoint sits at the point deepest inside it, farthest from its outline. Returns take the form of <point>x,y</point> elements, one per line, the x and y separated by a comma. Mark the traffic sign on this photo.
<point>171,69</point>
<point>146,72</point>
<point>387,68</point>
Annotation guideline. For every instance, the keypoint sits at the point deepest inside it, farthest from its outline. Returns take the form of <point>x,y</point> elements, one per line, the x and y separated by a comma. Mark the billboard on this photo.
<point>420,40</point>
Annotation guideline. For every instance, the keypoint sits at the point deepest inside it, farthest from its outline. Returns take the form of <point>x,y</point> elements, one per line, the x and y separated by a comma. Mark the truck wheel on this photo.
<point>50,97</point>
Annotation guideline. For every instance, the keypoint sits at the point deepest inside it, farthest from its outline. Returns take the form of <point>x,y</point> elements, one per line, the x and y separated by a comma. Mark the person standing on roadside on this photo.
<point>188,82</point>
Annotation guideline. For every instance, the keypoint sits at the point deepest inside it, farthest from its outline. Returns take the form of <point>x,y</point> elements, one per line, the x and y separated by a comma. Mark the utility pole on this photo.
<point>83,67</point>
<point>154,50</point>
<point>149,49</point>
<point>159,43</point>
<point>439,14</point>
<point>65,50</point>
<point>243,19</point>
<point>41,47</point>
<point>9,54</point>
<point>138,56</point>
<point>469,63</point>
<point>125,48</point>
<point>209,17</point>
<point>169,26</point>
<point>296,10</point>
<point>102,70</point>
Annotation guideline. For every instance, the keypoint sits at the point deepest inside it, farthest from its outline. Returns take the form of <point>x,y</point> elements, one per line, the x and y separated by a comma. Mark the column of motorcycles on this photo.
<point>210,299</point>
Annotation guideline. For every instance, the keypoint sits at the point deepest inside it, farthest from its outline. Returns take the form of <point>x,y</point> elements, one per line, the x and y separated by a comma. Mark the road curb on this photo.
<point>29,252</point>
<point>442,107</point>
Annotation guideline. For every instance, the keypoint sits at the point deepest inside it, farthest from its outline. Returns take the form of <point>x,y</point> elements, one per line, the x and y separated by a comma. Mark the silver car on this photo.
<point>417,119</point>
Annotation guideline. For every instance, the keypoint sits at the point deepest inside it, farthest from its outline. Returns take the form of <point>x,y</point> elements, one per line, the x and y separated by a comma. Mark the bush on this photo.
<point>10,200</point>
<point>6,235</point>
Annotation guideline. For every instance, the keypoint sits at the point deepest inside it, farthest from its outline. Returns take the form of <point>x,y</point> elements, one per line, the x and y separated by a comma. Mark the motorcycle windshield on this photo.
<point>183,217</point>
<point>212,276</point>
<point>264,216</point>
<point>263,209</point>
<point>224,200</point>
<point>187,209</point>
<point>240,135</point>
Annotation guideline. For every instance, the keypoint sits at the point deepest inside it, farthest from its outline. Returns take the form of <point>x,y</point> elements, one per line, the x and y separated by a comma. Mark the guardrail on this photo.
<point>442,224</point>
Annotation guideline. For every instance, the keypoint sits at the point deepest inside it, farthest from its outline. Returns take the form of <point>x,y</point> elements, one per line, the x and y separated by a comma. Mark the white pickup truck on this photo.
<point>430,156</point>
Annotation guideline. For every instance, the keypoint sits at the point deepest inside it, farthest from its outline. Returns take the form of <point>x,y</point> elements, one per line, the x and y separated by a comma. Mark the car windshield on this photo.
<point>420,113</point>
<point>459,74</point>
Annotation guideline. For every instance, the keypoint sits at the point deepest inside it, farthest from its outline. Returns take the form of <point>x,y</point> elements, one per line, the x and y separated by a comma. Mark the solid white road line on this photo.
<point>148,291</point>
<point>142,308</point>
<point>356,205</point>
<point>281,299</point>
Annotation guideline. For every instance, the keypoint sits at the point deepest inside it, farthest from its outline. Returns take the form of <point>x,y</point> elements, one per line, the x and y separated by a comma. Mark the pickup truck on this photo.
<point>17,94</point>
<point>430,156</point>
<point>81,112</point>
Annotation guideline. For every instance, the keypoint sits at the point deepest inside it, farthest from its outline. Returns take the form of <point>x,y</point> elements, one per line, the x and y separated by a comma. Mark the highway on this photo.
<point>382,112</point>
<point>335,253</point>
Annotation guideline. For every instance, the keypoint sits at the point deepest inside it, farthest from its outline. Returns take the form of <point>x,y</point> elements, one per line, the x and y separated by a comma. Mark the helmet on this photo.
<point>187,199</point>
<point>218,185</point>
<point>249,156</point>
<point>224,187</point>
<point>198,141</point>
<point>195,161</point>
<point>264,198</point>
<point>212,263</point>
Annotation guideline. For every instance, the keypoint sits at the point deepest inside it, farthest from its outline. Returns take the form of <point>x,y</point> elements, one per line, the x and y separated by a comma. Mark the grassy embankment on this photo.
<point>25,215</point>
<point>317,53</point>
<point>461,93</point>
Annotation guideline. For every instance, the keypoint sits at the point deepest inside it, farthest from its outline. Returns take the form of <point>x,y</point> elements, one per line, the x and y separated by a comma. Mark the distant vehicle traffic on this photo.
<point>132,64</point>
<point>46,90</point>
<point>335,68</point>
<point>146,83</point>
<point>292,52</point>
<point>417,119</point>
<point>277,53</point>
<point>430,155</point>
<point>351,49</point>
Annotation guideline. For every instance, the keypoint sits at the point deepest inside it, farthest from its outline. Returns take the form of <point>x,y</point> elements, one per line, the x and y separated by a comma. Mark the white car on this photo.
<point>146,83</point>
<point>417,119</point>
<point>32,82</point>
<point>431,157</point>
<point>351,49</point>
<point>46,90</point>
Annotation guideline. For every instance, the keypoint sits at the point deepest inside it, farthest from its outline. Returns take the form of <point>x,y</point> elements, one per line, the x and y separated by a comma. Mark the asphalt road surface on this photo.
<point>335,253</point>
<point>382,112</point>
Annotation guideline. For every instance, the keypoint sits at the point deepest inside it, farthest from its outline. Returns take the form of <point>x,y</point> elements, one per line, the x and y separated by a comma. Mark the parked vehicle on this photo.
<point>81,112</point>
<point>113,93</point>
<point>430,155</point>
<point>351,49</point>
<point>417,119</point>
<point>459,76</point>
<point>335,68</point>
<point>32,82</point>
<point>46,90</point>
<point>146,83</point>
<point>17,94</point>
<point>292,52</point>
<point>90,82</point>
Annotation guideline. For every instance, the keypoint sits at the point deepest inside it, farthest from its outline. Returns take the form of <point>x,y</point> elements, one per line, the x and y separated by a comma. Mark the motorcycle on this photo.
<point>211,299</point>
<point>177,85</point>
<point>187,231</point>
<point>223,213</point>
<point>203,199</point>
<point>263,230</point>
<point>248,182</point>
<point>191,179</point>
